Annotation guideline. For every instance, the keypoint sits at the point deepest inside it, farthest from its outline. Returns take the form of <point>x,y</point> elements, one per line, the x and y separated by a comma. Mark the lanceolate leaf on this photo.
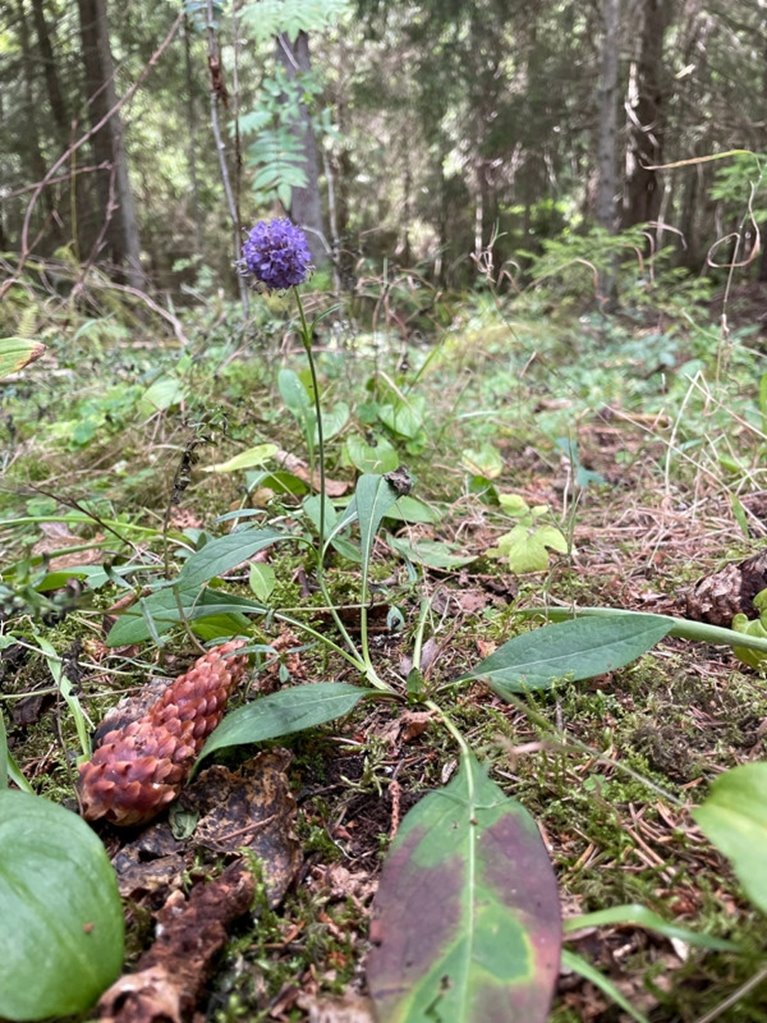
<point>159,612</point>
<point>576,649</point>
<point>734,818</point>
<point>374,497</point>
<point>283,713</point>
<point>225,553</point>
<point>467,923</point>
<point>61,921</point>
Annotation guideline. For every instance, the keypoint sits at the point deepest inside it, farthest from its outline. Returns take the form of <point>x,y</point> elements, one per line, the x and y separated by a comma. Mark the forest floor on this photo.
<point>644,436</point>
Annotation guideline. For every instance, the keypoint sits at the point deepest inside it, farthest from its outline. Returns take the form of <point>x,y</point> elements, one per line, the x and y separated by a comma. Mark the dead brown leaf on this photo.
<point>347,1008</point>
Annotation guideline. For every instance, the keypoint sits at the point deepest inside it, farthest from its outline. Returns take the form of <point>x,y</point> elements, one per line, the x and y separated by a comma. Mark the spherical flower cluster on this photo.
<point>276,254</point>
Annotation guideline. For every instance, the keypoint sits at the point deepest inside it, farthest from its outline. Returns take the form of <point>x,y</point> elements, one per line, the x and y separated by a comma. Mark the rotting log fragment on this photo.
<point>171,976</point>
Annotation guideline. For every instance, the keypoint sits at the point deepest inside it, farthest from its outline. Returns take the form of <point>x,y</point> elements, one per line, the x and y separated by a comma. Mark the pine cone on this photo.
<point>139,768</point>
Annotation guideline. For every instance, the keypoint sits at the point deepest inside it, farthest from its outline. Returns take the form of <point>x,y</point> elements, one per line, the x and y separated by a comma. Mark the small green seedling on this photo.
<point>526,546</point>
<point>753,627</point>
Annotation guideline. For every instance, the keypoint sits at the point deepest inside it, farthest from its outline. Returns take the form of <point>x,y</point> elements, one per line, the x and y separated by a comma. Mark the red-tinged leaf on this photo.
<point>467,922</point>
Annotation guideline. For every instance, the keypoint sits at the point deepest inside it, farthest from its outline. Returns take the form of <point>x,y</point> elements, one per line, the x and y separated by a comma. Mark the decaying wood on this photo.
<point>719,597</point>
<point>171,976</point>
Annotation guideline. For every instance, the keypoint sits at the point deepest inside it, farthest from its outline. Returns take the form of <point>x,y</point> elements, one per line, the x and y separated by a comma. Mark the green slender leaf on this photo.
<point>734,819</point>
<point>4,753</point>
<point>577,649</point>
<point>467,925</point>
<point>16,353</point>
<point>161,609</point>
<point>83,724</point>
<point>246,459</point>
<point>223,554</point>
<point>585,969</point>
<point>635,915</point>
<point>283,713</point>
<point>61,920</point>
<point>374,496</point>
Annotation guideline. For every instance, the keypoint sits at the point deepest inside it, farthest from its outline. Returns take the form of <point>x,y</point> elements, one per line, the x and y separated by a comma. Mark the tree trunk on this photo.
<point>305,204</point>
<point>56,99</point>
<point>647,92</point>
<point>32,135</point>
<point>191,150</point>
<point>115,206</point>
<point>607,144</point>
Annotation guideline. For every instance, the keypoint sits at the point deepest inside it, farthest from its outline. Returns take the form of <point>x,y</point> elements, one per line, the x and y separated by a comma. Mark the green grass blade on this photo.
<point>589,972</point>
<point>635,915</point>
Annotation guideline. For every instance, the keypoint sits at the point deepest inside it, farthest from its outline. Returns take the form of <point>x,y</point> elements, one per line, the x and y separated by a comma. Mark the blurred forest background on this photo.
<point>437,135</point>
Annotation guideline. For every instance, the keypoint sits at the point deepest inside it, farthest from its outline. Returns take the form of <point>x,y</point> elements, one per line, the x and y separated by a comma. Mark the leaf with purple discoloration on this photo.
<point>467,923</point>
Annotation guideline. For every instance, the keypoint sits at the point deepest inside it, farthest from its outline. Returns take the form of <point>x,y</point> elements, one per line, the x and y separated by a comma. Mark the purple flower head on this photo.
<point>276,254</point>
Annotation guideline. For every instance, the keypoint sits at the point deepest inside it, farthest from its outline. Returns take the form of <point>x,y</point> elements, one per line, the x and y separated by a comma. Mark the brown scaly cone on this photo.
<point>139,768</point>
<point>717,598</point>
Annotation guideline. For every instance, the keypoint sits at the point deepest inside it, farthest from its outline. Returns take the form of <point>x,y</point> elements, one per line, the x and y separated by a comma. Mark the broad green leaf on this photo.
<point>223,554</point>
<point>525,547</point>
<point>333,421</point>
<point>161,395</point>
<point>293,392</point>
<point>334,525</point>
<point>262,580</point>
<point>311,506</point>
<point>514,504</point>
<point>375,458</point>
<point>283,713</point>
<point>431,553</point>
<point>486,461</point>
<point>734,819</point>
<point>281,482</point>
<point>61,919</point>
<point>16,353</point>
<point>411,509</point>
<point>467,923</point>
<point>215,626</point>
<point>404,418</point>
<point>162,610</point>
<point>246,459</point>
<point>578,649</point>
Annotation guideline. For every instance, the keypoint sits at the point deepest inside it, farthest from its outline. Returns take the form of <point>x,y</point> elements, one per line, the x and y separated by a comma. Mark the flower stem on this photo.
<point>369,671</point>
<point>306,338</point>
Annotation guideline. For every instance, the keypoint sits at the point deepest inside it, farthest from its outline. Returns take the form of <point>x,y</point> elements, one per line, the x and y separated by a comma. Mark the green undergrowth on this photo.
<point>592,416</point>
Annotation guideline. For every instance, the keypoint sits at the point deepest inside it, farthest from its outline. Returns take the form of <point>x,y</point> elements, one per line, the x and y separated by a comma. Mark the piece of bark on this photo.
<point>171,976</point>
<point>717,598</point>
